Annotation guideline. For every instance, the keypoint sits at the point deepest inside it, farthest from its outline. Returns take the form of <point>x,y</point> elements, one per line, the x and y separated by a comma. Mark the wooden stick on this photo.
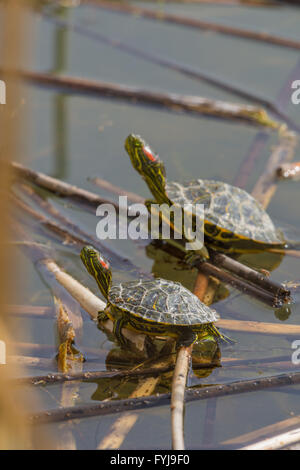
<point>180,374</point>
<point>259,327</point>
<point>266,431</point>
<point>171,101</point>
<point>117,406</point>
<point>160,15</point>
<point>61,188</point>
<point>248,274</point>
<point>58,377</point>
<point>177,396</point>
<point>276,442</point>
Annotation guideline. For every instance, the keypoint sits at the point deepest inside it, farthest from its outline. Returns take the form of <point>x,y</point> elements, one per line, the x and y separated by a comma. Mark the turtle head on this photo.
<point>98,267</point>
<point>148,164</point>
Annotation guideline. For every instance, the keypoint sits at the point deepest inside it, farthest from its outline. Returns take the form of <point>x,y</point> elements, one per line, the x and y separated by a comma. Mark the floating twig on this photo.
<point>277,442</point>
<point>117,406</point>
<point>90,200</point>
<point>259,327</point>
<point>261,36</point>
<point>171,101</point>
<point>265,432</point>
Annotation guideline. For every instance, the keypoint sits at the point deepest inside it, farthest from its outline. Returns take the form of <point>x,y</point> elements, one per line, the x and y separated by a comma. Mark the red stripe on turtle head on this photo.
<point>149,154</point>
<point>103,263</point>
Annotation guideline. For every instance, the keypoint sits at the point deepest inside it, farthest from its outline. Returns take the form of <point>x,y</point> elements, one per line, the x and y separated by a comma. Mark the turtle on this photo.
<point>153,307</point>
<point>233,220</point>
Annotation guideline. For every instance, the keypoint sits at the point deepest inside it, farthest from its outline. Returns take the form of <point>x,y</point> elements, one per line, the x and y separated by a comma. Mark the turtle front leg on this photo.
<point>102,317</point>
<point>193,258</point>
<point>186,338</point>
<point>118,325</point>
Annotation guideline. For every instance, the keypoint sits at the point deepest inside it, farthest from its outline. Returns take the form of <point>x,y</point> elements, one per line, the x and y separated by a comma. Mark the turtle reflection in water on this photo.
<point>153,307</point>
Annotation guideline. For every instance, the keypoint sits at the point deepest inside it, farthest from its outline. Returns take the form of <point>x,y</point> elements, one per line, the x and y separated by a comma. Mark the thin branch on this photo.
<point>117,406</point>
<point>160,15</point>
<point>259,327</point>
<point>177,397</point>
<point>265,432</point>
<point>90,200</point>
<point>277,442</point>
<point>171,101</point>
<point>58,377</point>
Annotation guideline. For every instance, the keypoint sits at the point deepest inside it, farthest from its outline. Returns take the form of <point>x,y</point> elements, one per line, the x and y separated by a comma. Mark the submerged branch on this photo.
<point>277,442</point>
<point>265,432</point>
<point>118,406</point>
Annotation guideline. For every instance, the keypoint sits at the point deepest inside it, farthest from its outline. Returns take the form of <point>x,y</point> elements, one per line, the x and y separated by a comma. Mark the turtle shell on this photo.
<point>230,208</point>
<point>161,301</point>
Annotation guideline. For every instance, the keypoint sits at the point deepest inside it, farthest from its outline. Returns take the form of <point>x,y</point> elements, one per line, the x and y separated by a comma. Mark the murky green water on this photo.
<point>74,137</point>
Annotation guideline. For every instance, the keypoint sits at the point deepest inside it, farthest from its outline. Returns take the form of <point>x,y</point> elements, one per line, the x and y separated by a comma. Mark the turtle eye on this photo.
<point>149,154</point>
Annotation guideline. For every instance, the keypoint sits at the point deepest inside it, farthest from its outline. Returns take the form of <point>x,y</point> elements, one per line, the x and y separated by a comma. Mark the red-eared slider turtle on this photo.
<point>233,220</point>
<point>153,307</point>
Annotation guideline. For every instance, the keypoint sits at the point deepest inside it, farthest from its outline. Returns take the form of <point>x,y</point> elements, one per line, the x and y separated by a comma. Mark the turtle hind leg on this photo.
<point>216,333</point>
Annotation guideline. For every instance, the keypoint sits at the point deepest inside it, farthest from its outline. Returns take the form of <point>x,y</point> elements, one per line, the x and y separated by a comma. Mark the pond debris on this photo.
<point>67,352</point>
<point>289,171</point>
<point>172,101</point>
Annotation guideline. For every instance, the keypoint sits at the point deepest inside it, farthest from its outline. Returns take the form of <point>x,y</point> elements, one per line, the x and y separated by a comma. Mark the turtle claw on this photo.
<point>194,259</point>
